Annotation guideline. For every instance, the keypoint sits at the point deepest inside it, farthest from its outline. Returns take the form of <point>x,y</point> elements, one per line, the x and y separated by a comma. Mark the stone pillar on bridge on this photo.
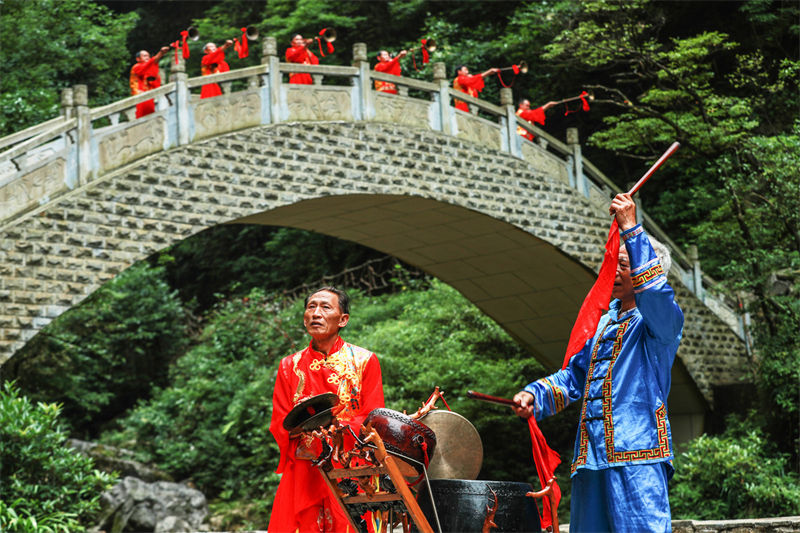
<point>580,182</point>
<point>363,83</point>
<point>514,140</point>
<point>182,98</point>
<point>272,87</point>
<point>67,103</point>
<point>81,99</point>
<point>445,111</point>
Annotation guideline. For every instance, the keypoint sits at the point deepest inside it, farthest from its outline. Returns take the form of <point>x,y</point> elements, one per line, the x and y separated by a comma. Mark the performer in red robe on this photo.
<point>212,63</point>
<point>299,53</point>
<point>537,115</point>
<point>144,77</point>
<point>469,84</point>
<point>388,65</point>
<point>329,364</point>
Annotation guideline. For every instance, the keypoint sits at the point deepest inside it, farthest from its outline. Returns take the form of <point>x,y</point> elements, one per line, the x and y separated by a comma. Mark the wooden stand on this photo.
<point>388,466</point>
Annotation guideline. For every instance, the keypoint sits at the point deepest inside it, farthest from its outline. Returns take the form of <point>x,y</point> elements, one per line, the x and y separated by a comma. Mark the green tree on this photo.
<point>49,45</point>
<point>45,486</point>
<point>102,355</point>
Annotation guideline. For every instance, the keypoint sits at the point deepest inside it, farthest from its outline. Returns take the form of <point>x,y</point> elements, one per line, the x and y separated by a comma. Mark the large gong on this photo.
<point>459,451</point>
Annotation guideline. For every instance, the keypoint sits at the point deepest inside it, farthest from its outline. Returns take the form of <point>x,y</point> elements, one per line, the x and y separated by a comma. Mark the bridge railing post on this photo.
<point>510,122</point>
<point>182,98</point>
<point>697,273</point>
<point>67,102</point>
<point>271,92</point>
<point>362,83</point>
<point>84,137</point>
<point>443,97</point>
<point>581,183</point>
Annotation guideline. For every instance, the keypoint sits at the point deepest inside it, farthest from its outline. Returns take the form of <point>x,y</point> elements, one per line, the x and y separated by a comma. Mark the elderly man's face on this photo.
<point>323,318</point>
<point>210,47</point>
<point>384,56</point>
<point>525,105</point>
<point>623,286</point>
<point>143,56</point>
<point>463,71</point>
<point>298,40</point>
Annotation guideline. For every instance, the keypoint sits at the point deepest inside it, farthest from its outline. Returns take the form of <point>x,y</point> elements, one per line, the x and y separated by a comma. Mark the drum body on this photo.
<point>461,505</point>
<point>403,436</point>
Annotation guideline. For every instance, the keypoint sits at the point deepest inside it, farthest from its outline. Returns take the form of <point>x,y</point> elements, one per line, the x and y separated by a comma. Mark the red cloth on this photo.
<point>531,115</point>
<point>469,84</point>
<point>355,375</point>
<point>301,54</point>
<point>144,77</point>
<point>546,460</point>
<point>211,64</point>
<point>597,300</point>
<point>389,67</point>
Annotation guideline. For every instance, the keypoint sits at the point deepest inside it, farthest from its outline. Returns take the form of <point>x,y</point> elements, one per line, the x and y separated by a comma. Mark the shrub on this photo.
<point>44,485</point>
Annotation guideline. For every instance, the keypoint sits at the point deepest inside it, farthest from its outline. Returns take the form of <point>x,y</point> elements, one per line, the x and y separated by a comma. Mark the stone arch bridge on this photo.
<point>516,227</point>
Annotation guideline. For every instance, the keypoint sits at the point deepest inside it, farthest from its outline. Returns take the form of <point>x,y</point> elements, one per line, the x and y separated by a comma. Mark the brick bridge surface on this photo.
<point>509,231</point>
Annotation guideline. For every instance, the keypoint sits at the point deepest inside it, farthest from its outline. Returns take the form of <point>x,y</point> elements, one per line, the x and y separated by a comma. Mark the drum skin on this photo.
<point>461,505</point>
<point>403,435</point>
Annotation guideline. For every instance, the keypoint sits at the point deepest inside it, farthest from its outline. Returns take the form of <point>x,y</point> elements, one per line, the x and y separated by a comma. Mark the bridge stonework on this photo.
<point>514,227</point>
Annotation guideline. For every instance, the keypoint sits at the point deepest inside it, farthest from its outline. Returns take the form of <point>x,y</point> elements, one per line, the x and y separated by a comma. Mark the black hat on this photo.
<point>311,413</point>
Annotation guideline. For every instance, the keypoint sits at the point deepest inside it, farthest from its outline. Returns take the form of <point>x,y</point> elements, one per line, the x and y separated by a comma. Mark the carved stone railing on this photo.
<point>82,145</point>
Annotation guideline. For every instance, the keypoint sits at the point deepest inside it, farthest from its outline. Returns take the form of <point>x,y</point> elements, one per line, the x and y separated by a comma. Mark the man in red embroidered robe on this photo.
<point>469,84</point>
<point>623,451</point>
<point>144,77</point>
<point>299,53</point>
<point>537,115</point>
<point>388,65</point>
<point>212,63</point>
<point>329,364</point>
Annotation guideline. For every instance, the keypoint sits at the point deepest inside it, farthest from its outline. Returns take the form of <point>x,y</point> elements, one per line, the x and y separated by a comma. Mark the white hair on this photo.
<point>662,252</point>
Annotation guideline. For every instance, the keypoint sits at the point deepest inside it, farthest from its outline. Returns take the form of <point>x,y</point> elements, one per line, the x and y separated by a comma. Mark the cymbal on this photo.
<point>311,413</point>
<point>459,450</point>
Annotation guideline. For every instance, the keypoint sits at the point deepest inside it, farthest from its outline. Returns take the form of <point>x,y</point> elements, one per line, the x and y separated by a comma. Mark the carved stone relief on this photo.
<point>401,110</point>
<point>319,104</point>
<point>225,113</point>
<point>477,131</point>
<point>27,191</point>
<point>131,143</point>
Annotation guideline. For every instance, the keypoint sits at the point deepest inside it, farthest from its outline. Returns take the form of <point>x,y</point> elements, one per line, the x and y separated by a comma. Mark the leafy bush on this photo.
<point>733,475</point>
<point>44,485</point>
<point>99,357</point>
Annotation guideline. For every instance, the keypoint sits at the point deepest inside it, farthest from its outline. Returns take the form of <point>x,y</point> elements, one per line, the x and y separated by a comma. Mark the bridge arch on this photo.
<point>518,230</point>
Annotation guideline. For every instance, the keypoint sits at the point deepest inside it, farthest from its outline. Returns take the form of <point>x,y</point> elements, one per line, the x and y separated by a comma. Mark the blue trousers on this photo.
<point>621,499</point>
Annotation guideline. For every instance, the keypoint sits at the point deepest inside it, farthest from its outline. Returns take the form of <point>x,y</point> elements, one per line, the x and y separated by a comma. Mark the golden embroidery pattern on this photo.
<point>556,394</point>
<point>301,377</point>
<point>316,364</point>
<point>649,274</point>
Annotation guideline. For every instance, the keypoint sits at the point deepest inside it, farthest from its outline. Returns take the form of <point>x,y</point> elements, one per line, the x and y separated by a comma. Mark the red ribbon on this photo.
<point>175,45</point>
<point>425,55</point>
<point>184,46</point>
<point>499,77</point>
<point>515,69</point>
<point>546,460</point>
<point>243,50</point>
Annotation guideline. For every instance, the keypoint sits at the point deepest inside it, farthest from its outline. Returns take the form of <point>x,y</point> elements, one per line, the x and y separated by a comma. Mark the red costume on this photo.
<point>301,54</point>
<point>531,115</point>
<point>303,502</point>
<point>469,84</point>
<point>389,67</point>
<point>144,77</point>
<point>213,63</point>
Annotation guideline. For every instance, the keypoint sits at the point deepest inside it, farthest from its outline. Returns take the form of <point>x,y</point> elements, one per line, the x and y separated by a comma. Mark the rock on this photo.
<point>111,459</point>
<point>135,505</point>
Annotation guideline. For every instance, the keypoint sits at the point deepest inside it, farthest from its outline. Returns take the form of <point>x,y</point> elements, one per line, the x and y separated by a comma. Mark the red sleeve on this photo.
<point>296,54</point>
<point>141,69</point>
<point>281,405</point>
<point>534,115</point>
<point>472,82</point>
<point>387,66</point>
<point>217,56</point>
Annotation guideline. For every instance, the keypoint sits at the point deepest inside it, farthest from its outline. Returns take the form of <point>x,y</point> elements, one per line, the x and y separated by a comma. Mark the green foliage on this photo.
<point>734,475</point>
<point>101,356</point>
<point>48,45</point>
<point>45,486</point>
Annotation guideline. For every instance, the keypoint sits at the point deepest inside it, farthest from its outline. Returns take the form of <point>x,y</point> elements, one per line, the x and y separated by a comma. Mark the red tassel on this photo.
<point>330,47</point>
<point>426,58</point>
<point>175,45</point>
<point>319,42</point>
<point>243,49</point>
<point>184,46</point>
<point>237,47</point>
<point>583,99</point>
<point>515,69</point>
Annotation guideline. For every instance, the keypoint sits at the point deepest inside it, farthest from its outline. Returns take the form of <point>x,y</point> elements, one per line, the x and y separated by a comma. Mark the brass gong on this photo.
<point>459,450</point>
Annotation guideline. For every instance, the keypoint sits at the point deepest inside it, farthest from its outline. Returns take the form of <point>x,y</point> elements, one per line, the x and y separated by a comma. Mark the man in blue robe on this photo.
<point>623,451</point>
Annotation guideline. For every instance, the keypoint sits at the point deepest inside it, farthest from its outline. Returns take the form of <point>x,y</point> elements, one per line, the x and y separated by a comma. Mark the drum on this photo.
<point>461,505</point>
<point>459,451</point>
<point>403,437</point>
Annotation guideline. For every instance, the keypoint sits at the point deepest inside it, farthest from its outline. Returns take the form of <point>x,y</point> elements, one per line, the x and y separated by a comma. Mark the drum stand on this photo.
<point>401,498</point>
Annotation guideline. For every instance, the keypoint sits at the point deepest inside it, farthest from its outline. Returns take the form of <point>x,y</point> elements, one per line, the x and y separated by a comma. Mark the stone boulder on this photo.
<point>111,459</point>
<point>163,506</point>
